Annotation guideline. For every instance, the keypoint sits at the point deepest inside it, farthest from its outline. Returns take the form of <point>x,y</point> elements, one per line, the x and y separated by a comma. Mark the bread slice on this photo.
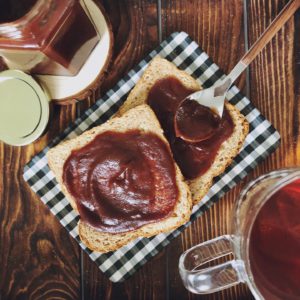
<point>160,68</point>
<point>141,118</point>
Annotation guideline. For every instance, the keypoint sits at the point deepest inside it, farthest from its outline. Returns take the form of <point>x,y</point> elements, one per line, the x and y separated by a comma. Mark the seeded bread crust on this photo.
<point>142,118</point>
<point>160,68</point>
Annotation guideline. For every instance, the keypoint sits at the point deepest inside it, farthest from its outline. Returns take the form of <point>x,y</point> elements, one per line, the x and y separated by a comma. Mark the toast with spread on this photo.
<point>127,163</point>
<point>159,87</point>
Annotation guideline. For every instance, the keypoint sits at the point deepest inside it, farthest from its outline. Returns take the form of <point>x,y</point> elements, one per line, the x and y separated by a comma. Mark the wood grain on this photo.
<point>217,25</point>
<point>273,78</point>
<point>283,16</point>
<point>39,259</point>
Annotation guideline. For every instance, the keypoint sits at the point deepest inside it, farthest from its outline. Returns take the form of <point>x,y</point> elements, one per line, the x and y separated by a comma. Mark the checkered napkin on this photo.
<point>186,54</point>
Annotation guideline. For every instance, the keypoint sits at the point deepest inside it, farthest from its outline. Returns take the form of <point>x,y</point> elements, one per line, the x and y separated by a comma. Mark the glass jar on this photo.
<point>47,37</point>
<point>200,279</point>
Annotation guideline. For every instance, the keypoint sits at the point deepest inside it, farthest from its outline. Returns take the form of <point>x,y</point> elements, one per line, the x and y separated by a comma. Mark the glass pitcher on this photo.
<point>251,201</point>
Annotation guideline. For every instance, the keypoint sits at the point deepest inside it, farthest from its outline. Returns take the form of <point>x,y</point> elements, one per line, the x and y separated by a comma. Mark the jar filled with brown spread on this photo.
<point>47,37</point>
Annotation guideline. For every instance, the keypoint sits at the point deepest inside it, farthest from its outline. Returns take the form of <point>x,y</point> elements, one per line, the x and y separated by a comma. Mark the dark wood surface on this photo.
<point>38,258</point>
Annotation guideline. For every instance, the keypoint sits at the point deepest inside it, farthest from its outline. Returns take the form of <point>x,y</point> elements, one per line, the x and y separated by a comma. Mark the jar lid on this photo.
<point>24,108</point>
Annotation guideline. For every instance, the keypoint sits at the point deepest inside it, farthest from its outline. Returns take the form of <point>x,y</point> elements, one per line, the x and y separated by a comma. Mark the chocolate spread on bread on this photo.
<point>122,181</point>
<point>194,159</point>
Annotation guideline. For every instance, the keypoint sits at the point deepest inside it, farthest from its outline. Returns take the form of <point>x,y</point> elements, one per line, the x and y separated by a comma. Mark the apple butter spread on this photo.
<point>122,181</point>
<point>11,10</point>
<point>50,37</point>
<point>194,122</point>
<point>194,159</point>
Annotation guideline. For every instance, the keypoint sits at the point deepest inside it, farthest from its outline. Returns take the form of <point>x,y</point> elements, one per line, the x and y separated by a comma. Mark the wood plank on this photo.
<point>274,78</point>
<point>39,259</point>
<point>218,28</point>
<point>216,25</point>
<point>147,283</point>
<point>135,31</point>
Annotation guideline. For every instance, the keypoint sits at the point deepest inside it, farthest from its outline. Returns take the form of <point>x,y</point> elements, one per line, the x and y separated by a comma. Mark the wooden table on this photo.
<point>38,258</point>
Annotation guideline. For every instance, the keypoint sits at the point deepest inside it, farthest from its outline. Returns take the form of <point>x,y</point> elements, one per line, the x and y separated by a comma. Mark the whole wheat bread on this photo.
<point>143,119</point>
<point>160,68</point>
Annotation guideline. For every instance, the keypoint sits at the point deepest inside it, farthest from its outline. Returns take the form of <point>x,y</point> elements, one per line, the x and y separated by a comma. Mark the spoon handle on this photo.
<point>272,29</point>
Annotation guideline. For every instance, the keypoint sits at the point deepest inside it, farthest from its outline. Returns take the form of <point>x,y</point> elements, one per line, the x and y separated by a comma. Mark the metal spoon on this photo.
<point>214,97</point>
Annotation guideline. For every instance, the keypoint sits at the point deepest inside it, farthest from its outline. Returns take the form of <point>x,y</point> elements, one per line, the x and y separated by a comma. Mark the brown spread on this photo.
<point>122,181</point>
<point>194,159</point>
<point>194,122</point>
<point>60,29</point>
<point>11,10</point>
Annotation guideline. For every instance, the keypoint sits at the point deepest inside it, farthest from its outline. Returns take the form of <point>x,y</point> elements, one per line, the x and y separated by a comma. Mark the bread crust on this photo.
<point>143,119</point>
<point>160,68</point>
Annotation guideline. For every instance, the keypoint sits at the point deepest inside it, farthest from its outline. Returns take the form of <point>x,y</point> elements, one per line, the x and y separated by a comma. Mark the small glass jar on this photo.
<point>46,37</point>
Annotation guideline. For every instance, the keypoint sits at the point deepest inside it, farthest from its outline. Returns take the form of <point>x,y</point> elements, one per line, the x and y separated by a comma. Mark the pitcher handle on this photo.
<point>210,279</point>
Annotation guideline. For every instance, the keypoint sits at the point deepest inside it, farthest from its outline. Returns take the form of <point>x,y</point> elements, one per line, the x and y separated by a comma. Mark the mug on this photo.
<point>252,218</point>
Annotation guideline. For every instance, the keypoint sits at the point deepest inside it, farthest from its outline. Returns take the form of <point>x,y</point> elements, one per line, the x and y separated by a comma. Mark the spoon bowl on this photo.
<point>195,122</point>
<point>213,98</point>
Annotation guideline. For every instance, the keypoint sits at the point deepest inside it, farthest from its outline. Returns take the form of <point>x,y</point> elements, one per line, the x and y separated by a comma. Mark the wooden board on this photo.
<point>274,81</point>
<point>40,260</point>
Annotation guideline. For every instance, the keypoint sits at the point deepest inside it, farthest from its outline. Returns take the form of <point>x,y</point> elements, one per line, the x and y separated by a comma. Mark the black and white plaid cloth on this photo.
<point>186,54</point>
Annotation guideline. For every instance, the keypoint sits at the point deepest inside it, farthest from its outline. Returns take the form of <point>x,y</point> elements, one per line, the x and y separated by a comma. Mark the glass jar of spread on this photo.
<point>47,37</point>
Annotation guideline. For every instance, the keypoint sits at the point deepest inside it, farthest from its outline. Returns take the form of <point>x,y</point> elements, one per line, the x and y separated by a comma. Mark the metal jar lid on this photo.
<point>24,108</point>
